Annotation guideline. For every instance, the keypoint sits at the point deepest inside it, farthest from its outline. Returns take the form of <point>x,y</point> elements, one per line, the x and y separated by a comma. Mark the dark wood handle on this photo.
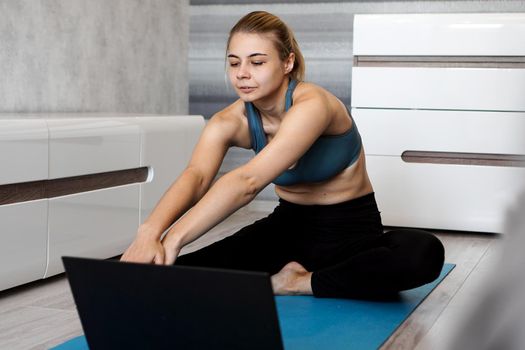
<point>487,159</point>
<point>30,191</point>
<point>441,61</point>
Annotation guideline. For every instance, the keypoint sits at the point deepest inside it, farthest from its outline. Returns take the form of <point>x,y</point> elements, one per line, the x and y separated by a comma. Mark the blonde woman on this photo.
<point>325,237</point>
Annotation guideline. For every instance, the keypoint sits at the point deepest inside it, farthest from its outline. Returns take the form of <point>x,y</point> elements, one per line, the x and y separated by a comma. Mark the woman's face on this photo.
<point>254,67</point>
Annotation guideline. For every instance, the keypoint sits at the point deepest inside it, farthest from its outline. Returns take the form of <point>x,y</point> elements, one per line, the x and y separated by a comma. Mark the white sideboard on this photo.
<point>69,166</point>
<point>439,100</point>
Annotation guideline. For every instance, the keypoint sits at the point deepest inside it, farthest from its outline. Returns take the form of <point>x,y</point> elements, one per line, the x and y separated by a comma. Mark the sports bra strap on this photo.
<point>257,134</point>
<point>289,92</point>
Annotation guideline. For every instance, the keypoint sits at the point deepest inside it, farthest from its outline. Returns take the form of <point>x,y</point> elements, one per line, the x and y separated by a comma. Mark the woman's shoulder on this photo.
<point>313,92</point>
<point>231,114</point>
<point>231,121</point>
<point>310,91</point>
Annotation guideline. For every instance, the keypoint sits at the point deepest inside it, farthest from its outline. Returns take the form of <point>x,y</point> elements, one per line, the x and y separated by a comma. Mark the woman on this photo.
<point>325,237</point>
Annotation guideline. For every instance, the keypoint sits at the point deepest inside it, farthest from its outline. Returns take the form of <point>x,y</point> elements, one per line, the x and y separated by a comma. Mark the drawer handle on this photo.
<point>441,61</point>
<point>30,191</point>
<point>486,159</point>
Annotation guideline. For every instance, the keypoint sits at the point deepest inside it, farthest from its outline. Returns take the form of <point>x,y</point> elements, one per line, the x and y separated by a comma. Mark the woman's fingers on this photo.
<point>142,251</point>
<point>125,256</point>
<point>159,258</point>
<point>150,252</point>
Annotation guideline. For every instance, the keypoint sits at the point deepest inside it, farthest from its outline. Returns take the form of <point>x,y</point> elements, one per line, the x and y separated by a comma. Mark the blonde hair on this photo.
<point>261,22</point>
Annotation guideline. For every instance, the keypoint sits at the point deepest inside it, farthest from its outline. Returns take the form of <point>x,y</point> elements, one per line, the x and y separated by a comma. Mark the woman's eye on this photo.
<point>234,64</point>
<point>257,63</point>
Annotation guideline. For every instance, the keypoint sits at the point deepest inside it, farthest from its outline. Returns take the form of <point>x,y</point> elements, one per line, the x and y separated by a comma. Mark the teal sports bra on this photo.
<point>328,156</point>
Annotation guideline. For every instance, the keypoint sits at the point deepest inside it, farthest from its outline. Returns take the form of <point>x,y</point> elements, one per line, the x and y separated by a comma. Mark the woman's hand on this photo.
<point>145,249</point>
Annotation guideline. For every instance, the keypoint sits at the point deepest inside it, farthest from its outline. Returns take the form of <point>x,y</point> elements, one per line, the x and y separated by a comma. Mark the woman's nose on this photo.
<point>243,72</point>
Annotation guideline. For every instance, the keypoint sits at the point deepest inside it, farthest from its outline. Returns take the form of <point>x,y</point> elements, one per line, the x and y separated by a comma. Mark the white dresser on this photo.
<point>80,184</point>
<point>439,100</point>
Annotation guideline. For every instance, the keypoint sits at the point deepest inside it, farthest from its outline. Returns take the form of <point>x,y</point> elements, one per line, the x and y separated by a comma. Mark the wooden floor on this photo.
<point>42,314</point>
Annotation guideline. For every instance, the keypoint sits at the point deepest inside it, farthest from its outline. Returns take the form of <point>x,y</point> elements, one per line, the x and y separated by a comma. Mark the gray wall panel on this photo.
<point>93,56</point>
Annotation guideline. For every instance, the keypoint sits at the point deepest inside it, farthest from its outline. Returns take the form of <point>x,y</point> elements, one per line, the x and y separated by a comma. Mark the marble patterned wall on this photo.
<point>323,30</point>
<point>127,56</point>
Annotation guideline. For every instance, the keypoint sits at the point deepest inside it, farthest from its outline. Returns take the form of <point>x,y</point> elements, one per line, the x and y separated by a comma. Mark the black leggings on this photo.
<point>342,244</point>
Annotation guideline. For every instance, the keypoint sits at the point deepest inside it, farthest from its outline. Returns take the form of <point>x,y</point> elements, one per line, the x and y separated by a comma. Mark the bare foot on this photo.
<point>293,279</point>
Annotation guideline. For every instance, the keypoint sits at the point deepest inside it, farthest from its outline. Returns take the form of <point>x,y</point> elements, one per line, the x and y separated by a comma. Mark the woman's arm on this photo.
<point>189,187</point>
<point>305,121</point>
<point>146,246</point>
<point>181,195</point>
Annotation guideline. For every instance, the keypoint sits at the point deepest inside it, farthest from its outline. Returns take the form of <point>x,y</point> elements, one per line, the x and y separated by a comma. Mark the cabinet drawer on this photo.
<point>440,34</point>
<point>97,224</point>
<point>23,240</point>
<point>439,88</point>
<point>438,196</point>
<point>391,132</point>
<point>92,145</point>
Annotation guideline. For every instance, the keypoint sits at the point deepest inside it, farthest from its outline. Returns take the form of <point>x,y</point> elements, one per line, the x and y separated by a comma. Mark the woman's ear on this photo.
<point>289,64</point>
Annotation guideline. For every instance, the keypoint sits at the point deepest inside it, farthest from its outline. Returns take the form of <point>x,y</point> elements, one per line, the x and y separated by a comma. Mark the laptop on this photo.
<point>143,306</point>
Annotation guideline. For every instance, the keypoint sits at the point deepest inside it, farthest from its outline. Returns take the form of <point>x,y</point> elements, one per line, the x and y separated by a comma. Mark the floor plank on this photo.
<point>32,327</point>
<point>53,293</point>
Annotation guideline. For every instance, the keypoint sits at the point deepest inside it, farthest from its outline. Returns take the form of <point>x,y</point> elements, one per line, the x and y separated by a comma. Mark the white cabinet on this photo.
<point>80,184</point>
<point>451,88</point>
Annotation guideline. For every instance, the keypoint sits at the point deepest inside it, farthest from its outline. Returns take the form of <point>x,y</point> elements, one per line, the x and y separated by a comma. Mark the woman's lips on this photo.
<point>246,89</point>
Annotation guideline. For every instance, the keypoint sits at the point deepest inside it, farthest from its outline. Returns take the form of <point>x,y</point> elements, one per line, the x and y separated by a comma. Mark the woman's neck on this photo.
<point>272,106</point>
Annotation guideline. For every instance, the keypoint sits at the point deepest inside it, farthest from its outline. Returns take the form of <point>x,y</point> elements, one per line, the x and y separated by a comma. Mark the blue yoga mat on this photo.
<point>311,323</point>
